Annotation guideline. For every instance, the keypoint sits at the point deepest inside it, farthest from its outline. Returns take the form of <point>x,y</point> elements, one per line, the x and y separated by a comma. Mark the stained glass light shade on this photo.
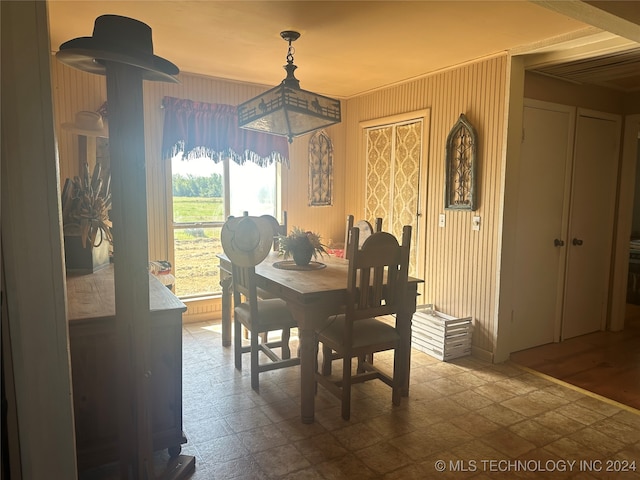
<point>288,110</point>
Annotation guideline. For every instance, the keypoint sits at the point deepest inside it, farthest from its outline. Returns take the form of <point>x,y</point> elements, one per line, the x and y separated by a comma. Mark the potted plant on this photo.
<point>301,245</point>
<point>86,202</point>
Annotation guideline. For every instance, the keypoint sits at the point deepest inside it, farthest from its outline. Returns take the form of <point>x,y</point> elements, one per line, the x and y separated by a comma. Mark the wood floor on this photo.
<point>606,363</point>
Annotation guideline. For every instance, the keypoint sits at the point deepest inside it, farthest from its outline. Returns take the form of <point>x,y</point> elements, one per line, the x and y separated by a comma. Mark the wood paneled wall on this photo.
<point>461,264</point>
<point>75,90</point>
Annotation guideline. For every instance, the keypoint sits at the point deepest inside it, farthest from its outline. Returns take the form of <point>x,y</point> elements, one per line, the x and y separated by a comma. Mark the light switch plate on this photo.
<point>441,220</point>
<point>475,223</point>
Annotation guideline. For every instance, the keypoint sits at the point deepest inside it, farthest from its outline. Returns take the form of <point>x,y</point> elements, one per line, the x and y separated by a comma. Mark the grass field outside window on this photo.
<point>201,203</point>
<point>196,245</point>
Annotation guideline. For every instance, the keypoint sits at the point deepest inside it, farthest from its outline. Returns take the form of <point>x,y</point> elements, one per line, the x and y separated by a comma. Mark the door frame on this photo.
<point>624,221</point>
<point>421,222</point>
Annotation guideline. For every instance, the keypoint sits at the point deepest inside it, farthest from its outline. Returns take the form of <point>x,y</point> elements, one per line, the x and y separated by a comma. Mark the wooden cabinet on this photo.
<point>92,336</point>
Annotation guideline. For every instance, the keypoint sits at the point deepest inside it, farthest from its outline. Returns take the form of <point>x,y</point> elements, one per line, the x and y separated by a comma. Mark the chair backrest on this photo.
<point>378,274</point>
<point>278,228</point>
<point>365,228</point>
<point>246,240</point>
<point>243,258</point>
<point>347,233</point>
<point>283,226</point>
<point>244,285</point>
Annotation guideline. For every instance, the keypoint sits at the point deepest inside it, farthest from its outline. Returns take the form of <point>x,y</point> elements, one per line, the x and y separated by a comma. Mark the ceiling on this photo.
<point>346,48</point>
<point>616,70</point>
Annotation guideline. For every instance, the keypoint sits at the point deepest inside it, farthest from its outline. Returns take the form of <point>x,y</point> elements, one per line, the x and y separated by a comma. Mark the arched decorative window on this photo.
<point>461,157</point>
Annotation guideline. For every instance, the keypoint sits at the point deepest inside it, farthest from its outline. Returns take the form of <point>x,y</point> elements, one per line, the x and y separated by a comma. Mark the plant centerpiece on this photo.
<point>301,245</point>
<point>86,202</point>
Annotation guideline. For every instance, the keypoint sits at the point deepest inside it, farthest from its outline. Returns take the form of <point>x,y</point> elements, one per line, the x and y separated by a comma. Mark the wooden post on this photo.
<point>131,275</point>
<point>130,236</point>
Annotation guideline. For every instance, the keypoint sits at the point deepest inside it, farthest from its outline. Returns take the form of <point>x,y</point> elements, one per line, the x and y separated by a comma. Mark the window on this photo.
<point>201,203</point>
<point>221,174</point>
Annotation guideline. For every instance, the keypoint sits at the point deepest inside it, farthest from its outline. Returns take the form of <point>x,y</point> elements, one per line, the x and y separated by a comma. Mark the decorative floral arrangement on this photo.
<point>301,245</point>
<point>86,203</point>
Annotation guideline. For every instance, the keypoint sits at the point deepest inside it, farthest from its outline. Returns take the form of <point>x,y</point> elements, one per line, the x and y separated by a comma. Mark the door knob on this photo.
<point>577,242</point>
<point>558,243</point>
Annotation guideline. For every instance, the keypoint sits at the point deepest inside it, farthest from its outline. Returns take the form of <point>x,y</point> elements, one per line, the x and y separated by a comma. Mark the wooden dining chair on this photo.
<point>376,286</point>
<point>278,228</point>
<point>366,230</point>
<point>246,242</point>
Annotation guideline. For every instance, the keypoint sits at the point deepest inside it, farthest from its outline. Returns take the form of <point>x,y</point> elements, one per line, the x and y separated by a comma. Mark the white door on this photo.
<point>543,201</point>
<point>589,246</point>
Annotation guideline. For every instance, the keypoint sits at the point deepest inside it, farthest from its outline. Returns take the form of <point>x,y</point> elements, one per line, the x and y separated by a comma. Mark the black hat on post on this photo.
<point>118,39</point>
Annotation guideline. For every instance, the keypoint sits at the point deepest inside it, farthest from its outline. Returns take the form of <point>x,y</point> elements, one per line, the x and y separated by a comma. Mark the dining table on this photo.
<point>314,294</point>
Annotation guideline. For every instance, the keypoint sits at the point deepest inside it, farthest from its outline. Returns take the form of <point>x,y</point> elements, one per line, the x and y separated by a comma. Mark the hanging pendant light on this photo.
<point>287,110</point>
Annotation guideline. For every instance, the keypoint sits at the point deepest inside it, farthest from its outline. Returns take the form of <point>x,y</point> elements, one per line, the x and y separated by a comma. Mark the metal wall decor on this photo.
<point>460,186</point>
<point>320,169</point>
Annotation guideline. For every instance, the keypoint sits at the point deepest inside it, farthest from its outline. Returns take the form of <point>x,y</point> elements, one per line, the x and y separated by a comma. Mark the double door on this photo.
<point>394,157</point>
<point>564,232</point>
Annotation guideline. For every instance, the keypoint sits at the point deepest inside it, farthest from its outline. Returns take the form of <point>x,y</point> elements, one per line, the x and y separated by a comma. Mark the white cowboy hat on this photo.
<point>89,124</point>
<point>246,240</point>
<point>118,39</point>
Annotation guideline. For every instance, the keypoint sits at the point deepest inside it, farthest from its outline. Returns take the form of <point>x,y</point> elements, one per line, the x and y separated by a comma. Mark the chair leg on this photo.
<point>397,379</point>
<point>237,344</point>
<point>315,370</point>
<point>327,355</point>
<point>346,387</point>
<point>361,360</point>
<point>286,351</point>
<point>368,358</point>
<point>254,361</point>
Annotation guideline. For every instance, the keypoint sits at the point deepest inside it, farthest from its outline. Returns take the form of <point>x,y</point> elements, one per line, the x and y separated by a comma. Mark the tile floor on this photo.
<point>463,419</point>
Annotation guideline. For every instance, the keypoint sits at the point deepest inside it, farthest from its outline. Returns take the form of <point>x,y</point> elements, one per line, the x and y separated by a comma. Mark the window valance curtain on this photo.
<point>210,130</point>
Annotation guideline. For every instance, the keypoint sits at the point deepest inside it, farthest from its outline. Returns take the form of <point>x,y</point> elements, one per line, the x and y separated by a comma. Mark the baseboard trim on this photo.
<point>482,354</point>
